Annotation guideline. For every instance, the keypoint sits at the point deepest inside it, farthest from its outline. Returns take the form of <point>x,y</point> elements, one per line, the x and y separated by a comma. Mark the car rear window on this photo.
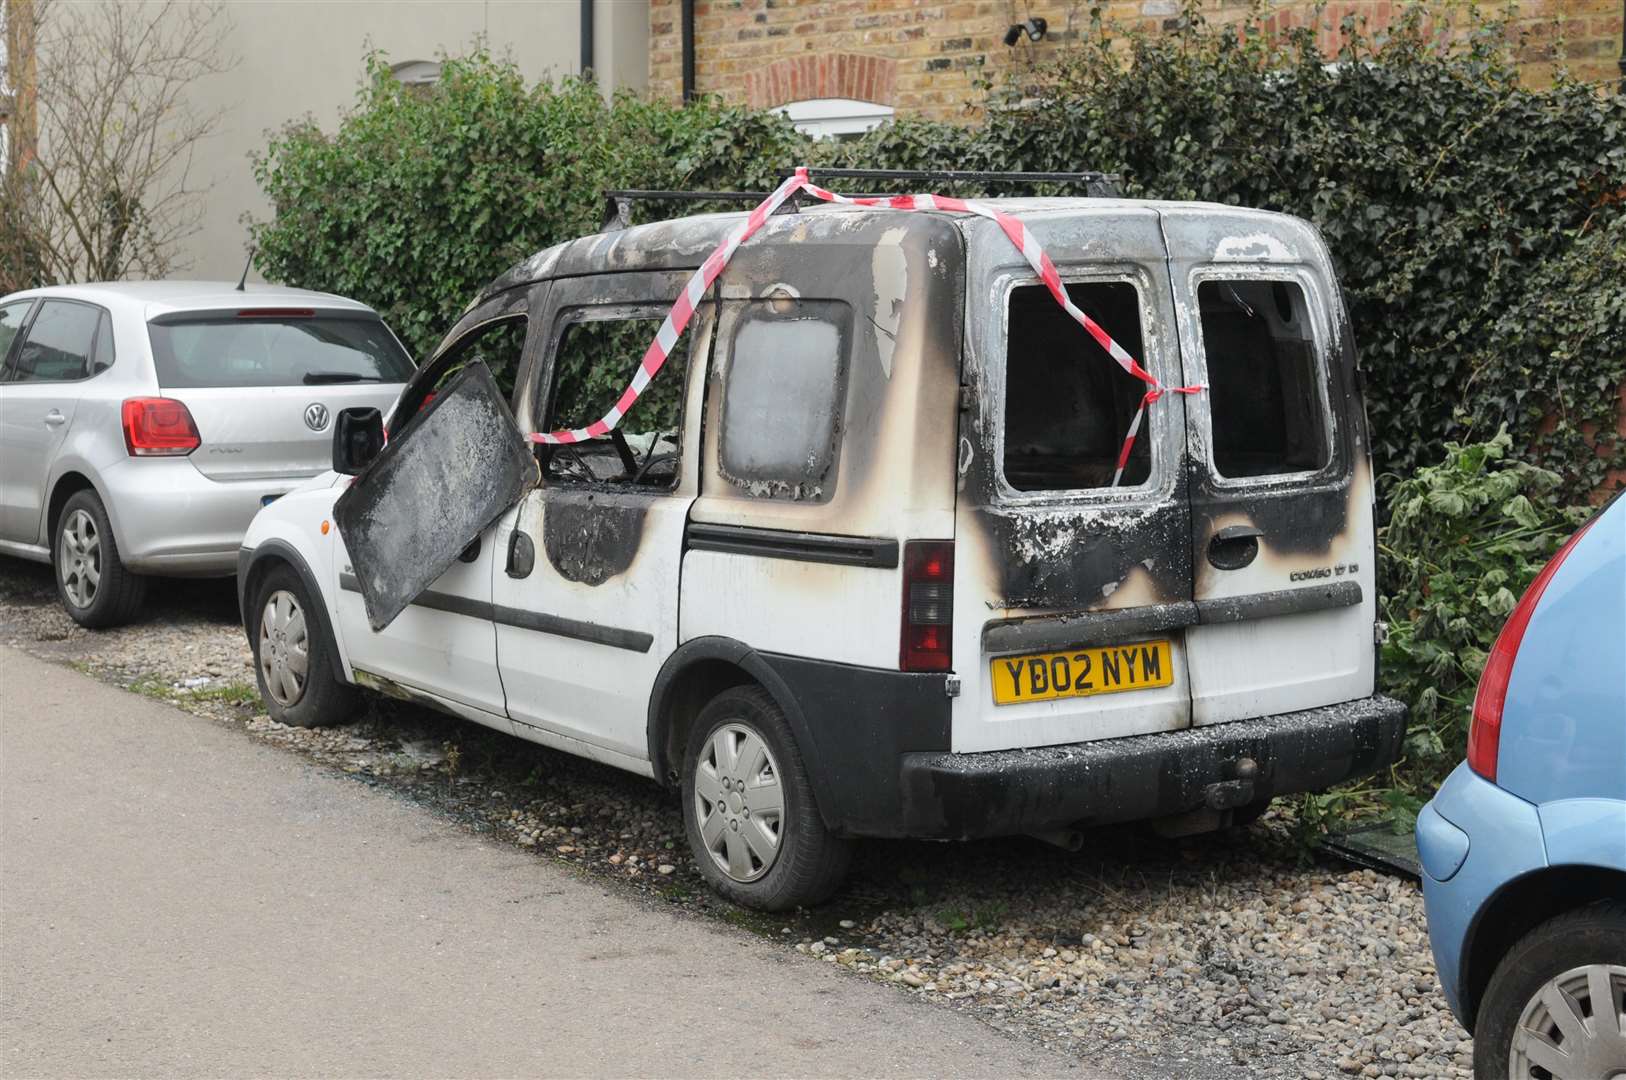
<point>1269,412</point>
<point>1068,405</point>
<point>284,350</point>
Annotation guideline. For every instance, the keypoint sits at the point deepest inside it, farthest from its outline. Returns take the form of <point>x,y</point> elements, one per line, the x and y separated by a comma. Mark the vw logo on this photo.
<point>316,416</point>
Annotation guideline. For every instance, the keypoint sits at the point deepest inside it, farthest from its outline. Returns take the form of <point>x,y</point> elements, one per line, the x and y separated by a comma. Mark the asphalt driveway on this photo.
<point>177,900</point>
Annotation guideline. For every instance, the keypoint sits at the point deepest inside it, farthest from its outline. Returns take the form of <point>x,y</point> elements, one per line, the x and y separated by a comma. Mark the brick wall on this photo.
<point>925,57</point>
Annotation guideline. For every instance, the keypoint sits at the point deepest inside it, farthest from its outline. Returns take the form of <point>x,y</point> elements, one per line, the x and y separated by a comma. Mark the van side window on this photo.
<point>497,344</point>
<point>1269,414</point>
<point>58,345</point>
<point>1068,405</point>
<point>594,360</point>
<point>783,393</point>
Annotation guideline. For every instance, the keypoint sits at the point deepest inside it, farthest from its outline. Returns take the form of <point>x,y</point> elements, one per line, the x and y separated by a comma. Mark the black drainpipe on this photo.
<point>688,50</point>
<point>587,39</point>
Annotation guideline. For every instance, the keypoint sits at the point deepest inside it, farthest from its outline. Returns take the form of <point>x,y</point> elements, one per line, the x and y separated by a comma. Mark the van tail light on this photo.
<point>928,605</point>
<point>158,427</point>
<point>1485,729</point>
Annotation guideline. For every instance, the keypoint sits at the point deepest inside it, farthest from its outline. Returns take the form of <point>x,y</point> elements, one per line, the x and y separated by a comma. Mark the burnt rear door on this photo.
<point>1071,595</point>
<point>1281,511</point>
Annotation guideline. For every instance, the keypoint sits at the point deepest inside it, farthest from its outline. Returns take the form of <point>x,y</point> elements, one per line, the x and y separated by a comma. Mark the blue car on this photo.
<point>1524,846</point>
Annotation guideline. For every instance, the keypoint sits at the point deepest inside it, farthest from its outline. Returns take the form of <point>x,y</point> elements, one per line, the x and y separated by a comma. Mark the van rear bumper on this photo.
<point>1147,776</point>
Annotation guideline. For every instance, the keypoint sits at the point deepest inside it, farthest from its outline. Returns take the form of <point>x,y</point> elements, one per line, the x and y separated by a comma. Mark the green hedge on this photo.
<point>422,197</point>
<point>1479,227</point>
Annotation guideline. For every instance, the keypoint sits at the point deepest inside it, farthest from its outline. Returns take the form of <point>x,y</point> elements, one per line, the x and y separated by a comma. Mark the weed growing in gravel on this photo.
<point>237,694</point>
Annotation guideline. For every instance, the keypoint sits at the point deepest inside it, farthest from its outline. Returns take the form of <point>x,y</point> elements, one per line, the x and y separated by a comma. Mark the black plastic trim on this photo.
<point>577,629</point>
<point>248,558</point>
<point>1268,605</point>
<point>1138,777</point>
<point>1109,627</point>
<point>1082,630</point>
<point>860,724</point>
<point>799,546</point>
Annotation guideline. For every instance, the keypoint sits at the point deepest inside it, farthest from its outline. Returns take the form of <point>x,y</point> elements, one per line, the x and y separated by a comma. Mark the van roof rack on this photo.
<point>1096,184</point>
<point>618,202</point>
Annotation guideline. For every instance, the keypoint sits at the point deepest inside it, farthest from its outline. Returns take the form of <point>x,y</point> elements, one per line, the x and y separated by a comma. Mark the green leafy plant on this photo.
<point>421,197</point>
<point>1464,539</point>
<point>1478,225</point>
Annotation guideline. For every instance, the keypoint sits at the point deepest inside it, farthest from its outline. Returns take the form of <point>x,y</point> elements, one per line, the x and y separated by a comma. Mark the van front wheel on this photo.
<point>749,811</point>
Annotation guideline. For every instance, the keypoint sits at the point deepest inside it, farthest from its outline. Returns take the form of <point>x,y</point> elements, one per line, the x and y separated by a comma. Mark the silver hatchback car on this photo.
<point>144,424</point>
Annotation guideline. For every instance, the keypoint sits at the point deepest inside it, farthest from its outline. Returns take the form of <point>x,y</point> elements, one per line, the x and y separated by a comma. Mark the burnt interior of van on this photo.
<point>1068,405</point>
<point>1266,406</point>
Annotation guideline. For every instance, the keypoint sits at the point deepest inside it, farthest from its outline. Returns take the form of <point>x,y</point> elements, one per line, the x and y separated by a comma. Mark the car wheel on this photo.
<point>94,585</point>
<point>1555,1008</point>
<point>749,811</point>
<point>291,660</point>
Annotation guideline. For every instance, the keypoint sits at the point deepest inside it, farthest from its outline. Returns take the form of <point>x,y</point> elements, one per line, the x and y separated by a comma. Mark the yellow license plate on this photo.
<point>1081,672</point>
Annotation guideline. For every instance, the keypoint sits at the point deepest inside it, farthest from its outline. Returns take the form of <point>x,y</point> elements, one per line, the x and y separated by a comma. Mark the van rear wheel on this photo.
<point>748,807</point>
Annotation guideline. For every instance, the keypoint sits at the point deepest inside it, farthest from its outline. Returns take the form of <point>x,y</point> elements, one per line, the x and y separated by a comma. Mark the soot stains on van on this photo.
<point>1061,560</point>
<point>592,536</point>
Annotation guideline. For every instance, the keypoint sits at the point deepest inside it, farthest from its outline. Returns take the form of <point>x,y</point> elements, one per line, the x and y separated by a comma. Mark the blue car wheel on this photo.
<point>1556,1007</point>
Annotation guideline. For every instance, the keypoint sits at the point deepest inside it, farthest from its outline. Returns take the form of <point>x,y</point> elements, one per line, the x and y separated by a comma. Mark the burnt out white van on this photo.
<point>855,564</point>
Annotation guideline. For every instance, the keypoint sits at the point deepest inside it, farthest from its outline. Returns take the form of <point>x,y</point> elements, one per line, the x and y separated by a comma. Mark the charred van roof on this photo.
<point>683,243</point>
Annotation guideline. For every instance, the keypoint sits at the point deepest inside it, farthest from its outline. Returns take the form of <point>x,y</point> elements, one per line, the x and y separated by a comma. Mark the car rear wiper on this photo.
<point>322,378</point>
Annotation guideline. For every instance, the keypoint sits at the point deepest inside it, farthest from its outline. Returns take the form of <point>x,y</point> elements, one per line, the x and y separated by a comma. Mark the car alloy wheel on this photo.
<point>284,648</point>
<point>739,803</point>
<point>79,559</point>
<point>1574,1027</point>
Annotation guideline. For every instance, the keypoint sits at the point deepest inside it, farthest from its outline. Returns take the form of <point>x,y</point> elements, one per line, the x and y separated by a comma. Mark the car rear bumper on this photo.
<point>876,745</point>
<point>171,519</point>
<point>1219,767</point>
<point>1473,838</point>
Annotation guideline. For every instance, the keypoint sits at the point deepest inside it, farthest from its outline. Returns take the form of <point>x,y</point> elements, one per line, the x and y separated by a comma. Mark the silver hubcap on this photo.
<point>1574,1028</point>
<point>284,648</point>
<point>79,558</point>
<point>739,803</point>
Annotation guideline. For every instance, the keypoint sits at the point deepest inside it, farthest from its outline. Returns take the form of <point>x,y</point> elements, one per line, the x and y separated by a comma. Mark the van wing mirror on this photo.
<point>358,438</point>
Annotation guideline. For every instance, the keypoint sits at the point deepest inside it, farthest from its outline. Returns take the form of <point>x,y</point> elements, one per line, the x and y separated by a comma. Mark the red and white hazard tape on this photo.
<point>683,310</point>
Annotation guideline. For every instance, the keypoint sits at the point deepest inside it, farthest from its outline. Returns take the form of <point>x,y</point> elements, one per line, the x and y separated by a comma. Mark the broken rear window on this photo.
<point>1269,415</point>
<point>1068,405</point>
<point>782,398</point>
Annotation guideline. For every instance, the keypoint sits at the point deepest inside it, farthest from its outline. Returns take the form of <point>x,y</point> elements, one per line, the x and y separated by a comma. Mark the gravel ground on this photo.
<point>1229,955</point>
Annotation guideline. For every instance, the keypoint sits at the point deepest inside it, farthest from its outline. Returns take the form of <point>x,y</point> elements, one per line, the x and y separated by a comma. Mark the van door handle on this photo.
<point>1234,547</point>
<point>54,418</point>
<point>521,555</point>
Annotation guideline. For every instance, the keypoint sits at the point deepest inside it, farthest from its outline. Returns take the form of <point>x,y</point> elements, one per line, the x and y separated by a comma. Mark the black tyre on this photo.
<point>291,660</point>
<point>1556,1004</point>
<point>748,808</point>
<point>91,580</point>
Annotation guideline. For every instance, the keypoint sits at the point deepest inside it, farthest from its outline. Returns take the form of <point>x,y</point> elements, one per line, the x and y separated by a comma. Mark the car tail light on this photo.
<point>928,605</point>
<point>1485,730</point>
<point>158,427</point>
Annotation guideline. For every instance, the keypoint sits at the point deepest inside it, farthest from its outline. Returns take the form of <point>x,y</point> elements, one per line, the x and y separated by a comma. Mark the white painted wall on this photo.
<point>301,57</point>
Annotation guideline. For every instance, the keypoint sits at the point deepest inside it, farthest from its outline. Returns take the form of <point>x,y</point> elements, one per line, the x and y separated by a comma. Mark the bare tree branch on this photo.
<point>111,194</point>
